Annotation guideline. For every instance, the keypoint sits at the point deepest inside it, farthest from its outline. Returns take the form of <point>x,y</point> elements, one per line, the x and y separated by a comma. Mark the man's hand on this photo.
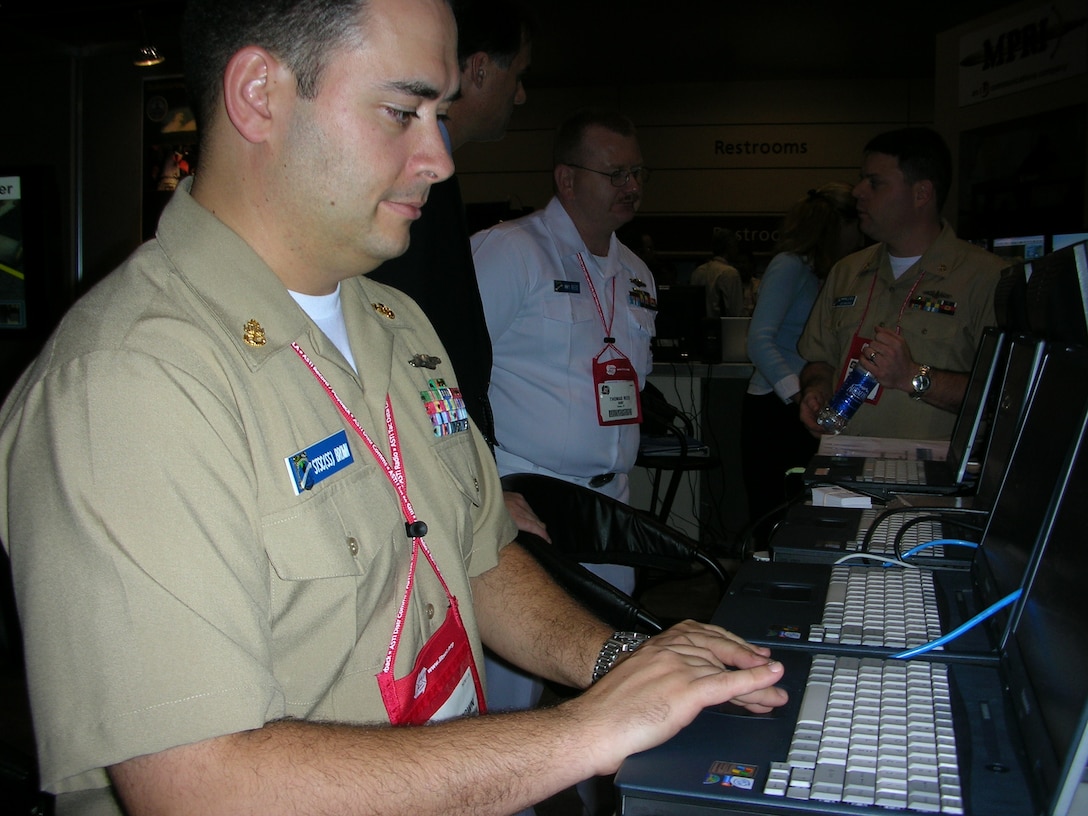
<point>887,357</point>
<point>523,515</point>
<point>816,391</point>
<point>657,690</point>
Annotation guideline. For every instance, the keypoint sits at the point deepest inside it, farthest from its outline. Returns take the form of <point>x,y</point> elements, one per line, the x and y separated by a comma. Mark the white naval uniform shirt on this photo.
<point>545,330</point>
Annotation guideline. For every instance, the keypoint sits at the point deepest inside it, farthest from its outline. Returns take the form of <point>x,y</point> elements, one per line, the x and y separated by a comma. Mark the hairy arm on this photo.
<point>495,764</point>
<point>525,617</point>
<point>894,367</point>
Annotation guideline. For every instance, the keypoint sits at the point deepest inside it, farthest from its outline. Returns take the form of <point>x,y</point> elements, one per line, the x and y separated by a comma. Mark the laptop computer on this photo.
<point>940,476</point>
<point>1011,736</point>
<point>865,609</point>
<point>823,535</point>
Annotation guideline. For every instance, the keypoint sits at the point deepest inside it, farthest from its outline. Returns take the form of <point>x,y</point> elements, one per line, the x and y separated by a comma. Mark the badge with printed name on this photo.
<point>618,401</point>
<point>568,287</point>
<point>319,461</point>
<point>845,301</point>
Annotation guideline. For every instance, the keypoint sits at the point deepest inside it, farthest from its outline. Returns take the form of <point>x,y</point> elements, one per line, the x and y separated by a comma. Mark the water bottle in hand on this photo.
<point>855,389</point>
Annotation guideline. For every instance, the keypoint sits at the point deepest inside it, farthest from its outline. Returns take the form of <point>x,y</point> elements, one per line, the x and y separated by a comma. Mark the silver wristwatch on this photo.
<point>618,644</point>
<point>921,382</point>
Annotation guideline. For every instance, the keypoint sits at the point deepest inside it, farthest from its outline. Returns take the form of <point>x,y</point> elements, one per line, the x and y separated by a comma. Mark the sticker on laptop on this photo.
<point>732,775</point>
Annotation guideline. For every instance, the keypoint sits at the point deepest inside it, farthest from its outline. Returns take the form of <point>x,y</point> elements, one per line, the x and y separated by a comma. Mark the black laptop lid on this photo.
<point>1039,466</point>
<point>973,410</point>
<point>1024,359</point>
<point>1047,654</point>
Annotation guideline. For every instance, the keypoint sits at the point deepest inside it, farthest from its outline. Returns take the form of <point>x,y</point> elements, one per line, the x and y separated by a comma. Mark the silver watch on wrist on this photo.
<point>619,643</point>
<point>921,382</point>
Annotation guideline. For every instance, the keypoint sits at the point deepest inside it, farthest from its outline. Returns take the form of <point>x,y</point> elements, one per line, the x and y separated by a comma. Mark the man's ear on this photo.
<point>923,192</point>
<point>248,85</point>
<point>564,180</point>
<point>479,64</point>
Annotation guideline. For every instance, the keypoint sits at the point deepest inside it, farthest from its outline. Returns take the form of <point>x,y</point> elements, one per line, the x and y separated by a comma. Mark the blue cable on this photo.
<point>949,542</point>
<point>963,627</point>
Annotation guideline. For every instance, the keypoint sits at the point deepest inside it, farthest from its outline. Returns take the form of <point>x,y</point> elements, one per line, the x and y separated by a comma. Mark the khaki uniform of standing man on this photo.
<point>912,308</point>
<point>248,529</point>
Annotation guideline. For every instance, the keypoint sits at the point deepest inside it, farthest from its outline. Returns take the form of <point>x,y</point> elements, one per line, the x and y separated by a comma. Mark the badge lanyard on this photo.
<point>858,341</point>
<point>394,472</point>
<point>615,379</point>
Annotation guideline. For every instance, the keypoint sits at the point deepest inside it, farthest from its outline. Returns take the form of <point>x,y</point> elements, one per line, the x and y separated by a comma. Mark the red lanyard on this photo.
<point>902,306</point>
<point>394,471</point>
<point>608,338</point>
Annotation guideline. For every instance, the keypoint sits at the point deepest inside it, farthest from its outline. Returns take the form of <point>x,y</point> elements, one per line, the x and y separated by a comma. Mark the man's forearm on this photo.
<point>946,391</point>
<point>817,377</point>
<point>525,617</point>
<point>481,765</point>
<point>496,764</point>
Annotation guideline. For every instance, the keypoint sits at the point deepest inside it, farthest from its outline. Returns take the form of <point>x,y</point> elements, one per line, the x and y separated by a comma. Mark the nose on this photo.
<point>520,96</point>
<point>858,190</point>
<point>435,160</point>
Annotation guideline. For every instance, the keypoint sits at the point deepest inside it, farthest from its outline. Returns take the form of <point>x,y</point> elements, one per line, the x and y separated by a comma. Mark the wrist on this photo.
<point>618,646</point>
<point>921,382</point>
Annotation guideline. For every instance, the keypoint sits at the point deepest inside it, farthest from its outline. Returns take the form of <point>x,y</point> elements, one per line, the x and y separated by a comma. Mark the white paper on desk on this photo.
<point>883,447</point>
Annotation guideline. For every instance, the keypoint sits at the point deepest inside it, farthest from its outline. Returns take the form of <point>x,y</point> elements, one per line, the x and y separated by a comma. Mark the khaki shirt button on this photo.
<point>430,611</point>
<point>353,545</point>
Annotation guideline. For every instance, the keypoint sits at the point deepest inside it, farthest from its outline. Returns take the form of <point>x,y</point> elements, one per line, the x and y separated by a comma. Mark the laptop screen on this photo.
<point>973,410</point>
<point>1036,470</point>
<point>1024,359</point>
<point>1048,653</point>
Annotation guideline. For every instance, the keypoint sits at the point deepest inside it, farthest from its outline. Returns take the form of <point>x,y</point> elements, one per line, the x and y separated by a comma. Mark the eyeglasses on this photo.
<point>619,177</point>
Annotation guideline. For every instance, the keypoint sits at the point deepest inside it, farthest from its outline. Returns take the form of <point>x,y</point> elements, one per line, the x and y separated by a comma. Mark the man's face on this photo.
<point>359,159</point>
<point>885,198</point>
<point>504,90</point>
<point>594,201</point>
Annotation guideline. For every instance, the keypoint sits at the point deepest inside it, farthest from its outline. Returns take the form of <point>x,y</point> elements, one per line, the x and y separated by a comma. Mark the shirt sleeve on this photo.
<point>502,274</point>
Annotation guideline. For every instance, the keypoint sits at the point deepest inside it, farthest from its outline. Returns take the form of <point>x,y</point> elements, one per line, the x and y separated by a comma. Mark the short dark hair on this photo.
<point>302,33</point>
<point>496,27</point>
<point>568,139</point>
<point>922,155</point>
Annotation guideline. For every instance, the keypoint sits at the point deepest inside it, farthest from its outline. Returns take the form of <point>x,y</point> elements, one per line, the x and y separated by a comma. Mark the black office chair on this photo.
<point>587,527</point>
<point>665,423</point>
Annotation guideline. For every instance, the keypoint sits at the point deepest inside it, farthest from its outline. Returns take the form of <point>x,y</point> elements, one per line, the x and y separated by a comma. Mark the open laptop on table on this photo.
<point>938,476</point>
<point>823,535</point>
<point>868,609</point>
<point>1010,737</point>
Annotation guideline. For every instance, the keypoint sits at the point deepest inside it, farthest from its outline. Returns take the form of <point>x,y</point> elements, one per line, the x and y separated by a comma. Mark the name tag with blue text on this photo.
<point>319,461</point>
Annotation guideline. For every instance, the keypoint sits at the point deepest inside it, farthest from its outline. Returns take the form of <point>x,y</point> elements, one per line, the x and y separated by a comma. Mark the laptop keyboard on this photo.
<point>894,471</point>
<point>873,732</point>
<point>874,606</point>
<point>882,541</point>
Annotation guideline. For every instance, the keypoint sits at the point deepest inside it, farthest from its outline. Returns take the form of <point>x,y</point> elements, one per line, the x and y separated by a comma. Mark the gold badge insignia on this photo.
<point>383,310</point>
<point>253,334</point>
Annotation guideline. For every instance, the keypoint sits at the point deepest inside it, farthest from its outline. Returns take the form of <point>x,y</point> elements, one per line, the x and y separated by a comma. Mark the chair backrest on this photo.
<point>587,527</point>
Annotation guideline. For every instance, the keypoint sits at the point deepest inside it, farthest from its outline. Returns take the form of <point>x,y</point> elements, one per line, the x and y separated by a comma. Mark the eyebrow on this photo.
<point>417,88</point>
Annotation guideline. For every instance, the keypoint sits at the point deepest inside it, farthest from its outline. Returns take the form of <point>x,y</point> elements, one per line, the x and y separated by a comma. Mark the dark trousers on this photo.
<point>773,440</point>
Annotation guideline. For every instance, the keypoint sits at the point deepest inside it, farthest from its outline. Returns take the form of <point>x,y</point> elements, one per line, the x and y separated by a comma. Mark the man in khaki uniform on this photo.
<point>911,308</point>
<point>250,525</point>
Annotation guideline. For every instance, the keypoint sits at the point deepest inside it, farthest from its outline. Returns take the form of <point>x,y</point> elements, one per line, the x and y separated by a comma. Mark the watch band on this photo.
<point>617,644</point>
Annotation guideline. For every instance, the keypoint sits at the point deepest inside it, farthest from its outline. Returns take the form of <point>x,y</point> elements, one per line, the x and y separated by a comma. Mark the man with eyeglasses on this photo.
<point>564,299</point>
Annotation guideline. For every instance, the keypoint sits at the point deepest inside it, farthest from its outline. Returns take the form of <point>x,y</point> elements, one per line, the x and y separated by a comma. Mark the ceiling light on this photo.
<point>147,56</point>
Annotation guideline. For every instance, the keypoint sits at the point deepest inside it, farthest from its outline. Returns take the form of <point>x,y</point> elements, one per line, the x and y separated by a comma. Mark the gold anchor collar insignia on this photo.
<point>253,334</point>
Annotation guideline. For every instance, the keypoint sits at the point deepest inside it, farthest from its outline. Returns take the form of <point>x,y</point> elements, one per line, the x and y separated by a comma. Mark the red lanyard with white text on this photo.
<point>615,379</point>
<point>459,682</point>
